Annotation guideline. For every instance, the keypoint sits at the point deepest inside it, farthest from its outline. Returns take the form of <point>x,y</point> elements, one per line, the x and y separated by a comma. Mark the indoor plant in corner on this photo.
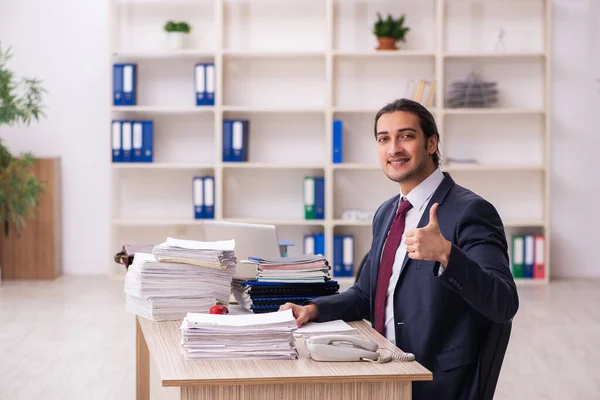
<point>176,32</point>
<point>20,103</point>
<point>389,31</point>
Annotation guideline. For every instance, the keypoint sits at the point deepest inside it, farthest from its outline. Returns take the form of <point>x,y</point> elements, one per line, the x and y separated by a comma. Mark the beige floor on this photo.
<point>72,339</point>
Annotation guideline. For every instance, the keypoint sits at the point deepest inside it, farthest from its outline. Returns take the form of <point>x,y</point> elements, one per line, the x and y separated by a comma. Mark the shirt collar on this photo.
<point>424,190</point>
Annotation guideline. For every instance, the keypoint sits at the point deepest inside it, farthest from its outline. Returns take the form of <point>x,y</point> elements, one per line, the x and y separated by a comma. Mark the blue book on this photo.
<point>337,142</point>
<point>320,244</point>
<point>117,155</point>
<point>209,74</point>
<point>147,141</point>
<point>348,255</point>
<point>127,141</point>
<point>137,129</point>
<point>529,257</point>
<point>319,197</point>
<point>239,140</point>
<point>309,244</point>
<point>118,84</point>
<point>227,137</point>
<point>209,197</point>
<point>338,254</point>
<point>200,84</point>
<point>129,84</point>
<point>198,196</point>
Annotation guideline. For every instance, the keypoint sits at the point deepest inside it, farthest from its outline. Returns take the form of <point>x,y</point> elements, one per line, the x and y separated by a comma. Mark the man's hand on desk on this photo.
<point>303,314</point>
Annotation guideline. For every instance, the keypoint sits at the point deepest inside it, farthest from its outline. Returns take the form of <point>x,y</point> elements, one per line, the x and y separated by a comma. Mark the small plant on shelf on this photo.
<point>389,31</point>
<point>176,32</point>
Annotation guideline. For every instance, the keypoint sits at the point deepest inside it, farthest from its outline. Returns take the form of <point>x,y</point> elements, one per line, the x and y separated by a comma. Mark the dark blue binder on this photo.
<point>319,197</point>
<point>209,197</point>
<point>338,253</point>
<point>127,141</point>
<point>198,196</point>
<point>116,141</point>
<point>148,141</point>
<point>227,137</point>
<point>129,84</point>
<point>200,84</point>
<point>337,142</point>
<point>118,84</point>
<point>320,244</point>
<point>239,140</point>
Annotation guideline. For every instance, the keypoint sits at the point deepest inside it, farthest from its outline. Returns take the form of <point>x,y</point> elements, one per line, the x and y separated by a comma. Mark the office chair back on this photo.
<point>491,358</point>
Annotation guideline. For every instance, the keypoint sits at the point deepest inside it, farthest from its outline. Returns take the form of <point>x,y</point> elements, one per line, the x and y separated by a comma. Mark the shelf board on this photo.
<point>156,221</point>
<point>278,221</point>
<point>258,165</point>
<point>358,166</point>
<point>382,53</point>
<point>490,111</point>
<point>530,281</point>
<point>159,165</point>
<point>162,54</point>
<point>273,53</point>
<point>524,223</point>
<point>492,167</point>
<point>491,54</point>
<point>274,109</point>
<point>366,110</point>
<point>351,222</point>
<point>164,109</point>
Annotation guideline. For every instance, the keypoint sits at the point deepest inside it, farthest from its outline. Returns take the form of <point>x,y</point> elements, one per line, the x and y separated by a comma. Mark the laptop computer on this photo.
<point>251,240</point>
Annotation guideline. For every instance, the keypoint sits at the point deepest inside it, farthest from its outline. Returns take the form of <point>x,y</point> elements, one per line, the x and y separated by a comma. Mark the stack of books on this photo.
<point>180,276</point>
<point>285,279</point>
<point>246,337</point>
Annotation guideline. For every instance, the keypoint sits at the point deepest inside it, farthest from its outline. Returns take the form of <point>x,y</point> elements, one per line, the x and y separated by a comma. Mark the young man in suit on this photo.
<point>437,274</point>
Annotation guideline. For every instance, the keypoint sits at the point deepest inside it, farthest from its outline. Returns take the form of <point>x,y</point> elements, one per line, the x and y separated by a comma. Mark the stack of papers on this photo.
<point>186,276</point>
<point>246,337</point>
<point>298,269</point>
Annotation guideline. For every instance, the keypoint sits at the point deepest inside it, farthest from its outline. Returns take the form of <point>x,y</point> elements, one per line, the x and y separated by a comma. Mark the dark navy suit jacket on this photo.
<point>441,319</point>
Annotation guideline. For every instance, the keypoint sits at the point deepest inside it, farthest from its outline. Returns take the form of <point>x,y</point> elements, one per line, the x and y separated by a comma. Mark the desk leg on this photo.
<point>142,364</point>
<point>304,391</point>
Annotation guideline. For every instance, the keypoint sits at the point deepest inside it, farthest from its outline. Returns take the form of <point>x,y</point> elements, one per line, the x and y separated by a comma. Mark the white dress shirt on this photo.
<point>418,197</point>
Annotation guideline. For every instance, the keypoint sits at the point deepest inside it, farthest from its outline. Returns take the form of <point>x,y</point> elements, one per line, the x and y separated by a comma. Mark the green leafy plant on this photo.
<point>20,103</point>
<point>172,26</point>
<point>390,27</point>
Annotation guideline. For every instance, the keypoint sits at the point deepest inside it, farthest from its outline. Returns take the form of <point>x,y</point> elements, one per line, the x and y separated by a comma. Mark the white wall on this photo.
<point>66,45</point>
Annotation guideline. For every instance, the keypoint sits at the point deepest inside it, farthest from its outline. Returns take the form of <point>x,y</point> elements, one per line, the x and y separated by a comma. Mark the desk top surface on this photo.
<point>163,340</point>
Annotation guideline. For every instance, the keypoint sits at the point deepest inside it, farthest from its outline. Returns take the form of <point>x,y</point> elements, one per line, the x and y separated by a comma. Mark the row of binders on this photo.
<point>132,141</point>
<point>235,140</point>
<point>125,83</point>
<point>528,255</point>
<point>314,197</point>
<point>343,251</point>
<point>203,197</point>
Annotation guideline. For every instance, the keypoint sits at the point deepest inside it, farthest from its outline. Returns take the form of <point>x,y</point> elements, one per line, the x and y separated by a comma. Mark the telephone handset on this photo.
<point>349,348</point>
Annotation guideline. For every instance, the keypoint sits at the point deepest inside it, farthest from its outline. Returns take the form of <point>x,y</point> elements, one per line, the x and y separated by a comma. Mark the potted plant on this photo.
<point>20,103</point>
<point>389,31</point>
<point>176,32</point>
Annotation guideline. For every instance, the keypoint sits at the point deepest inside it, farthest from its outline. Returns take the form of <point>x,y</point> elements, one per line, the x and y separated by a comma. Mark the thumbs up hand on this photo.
<point>428,243</point>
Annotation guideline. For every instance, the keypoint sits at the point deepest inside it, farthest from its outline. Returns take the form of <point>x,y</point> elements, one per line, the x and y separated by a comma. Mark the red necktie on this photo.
<point>387,263</point>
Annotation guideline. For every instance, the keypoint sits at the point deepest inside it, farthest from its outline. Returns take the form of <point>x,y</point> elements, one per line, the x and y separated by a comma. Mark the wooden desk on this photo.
<point>271,379</point>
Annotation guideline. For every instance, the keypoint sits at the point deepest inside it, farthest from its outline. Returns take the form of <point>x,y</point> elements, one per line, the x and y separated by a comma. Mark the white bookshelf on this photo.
<point>293,67</point>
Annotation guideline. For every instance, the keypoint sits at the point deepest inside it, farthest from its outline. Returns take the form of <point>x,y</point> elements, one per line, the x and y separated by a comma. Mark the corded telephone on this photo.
<point>349,348</point>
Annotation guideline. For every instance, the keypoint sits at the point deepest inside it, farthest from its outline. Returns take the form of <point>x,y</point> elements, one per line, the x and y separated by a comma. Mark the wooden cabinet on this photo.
<point>36,253</point>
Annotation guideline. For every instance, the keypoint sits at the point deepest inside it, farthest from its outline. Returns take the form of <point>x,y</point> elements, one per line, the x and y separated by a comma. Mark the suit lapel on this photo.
<point>438,197</point>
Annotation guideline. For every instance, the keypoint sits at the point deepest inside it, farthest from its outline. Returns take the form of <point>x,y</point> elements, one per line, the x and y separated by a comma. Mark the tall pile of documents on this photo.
<point>180,276</point>
<point>284,279</point>
<point>247,336</point>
